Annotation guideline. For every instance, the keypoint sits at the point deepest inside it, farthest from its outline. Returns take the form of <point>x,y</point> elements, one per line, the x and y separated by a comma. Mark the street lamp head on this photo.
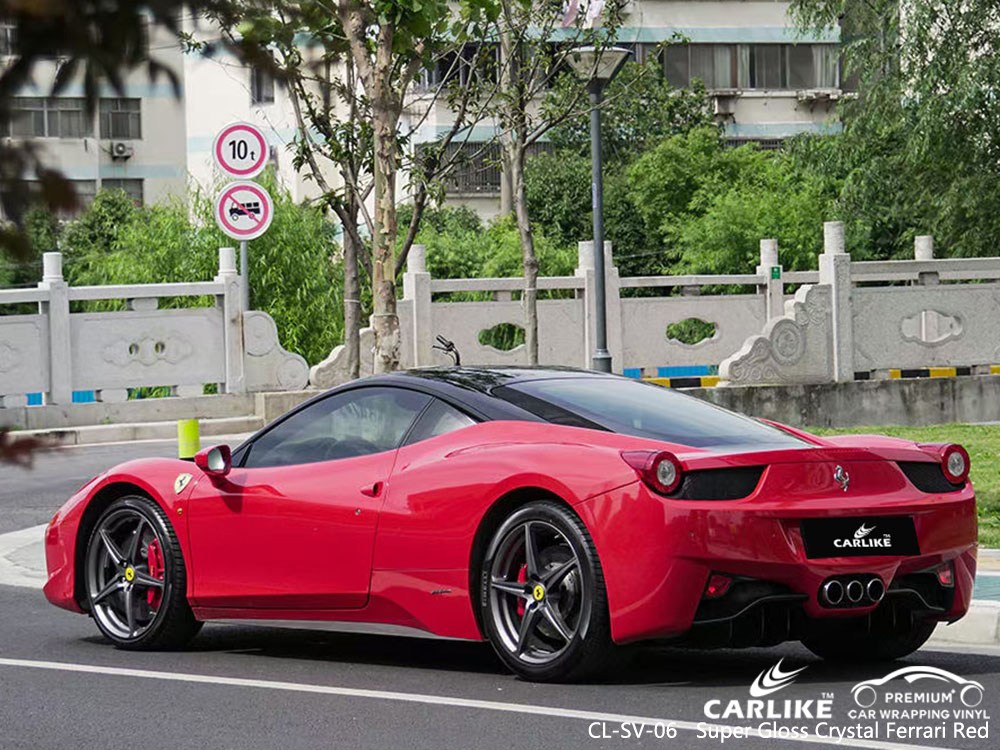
<point>597,64</point>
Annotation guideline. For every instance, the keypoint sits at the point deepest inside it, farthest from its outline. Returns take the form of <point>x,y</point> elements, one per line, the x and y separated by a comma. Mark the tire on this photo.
<point>547,618</point>
<point>881,642</point>
<point>135,578</point>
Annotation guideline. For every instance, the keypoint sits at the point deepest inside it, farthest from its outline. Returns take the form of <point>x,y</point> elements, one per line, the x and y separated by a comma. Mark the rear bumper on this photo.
<point>658,553</point>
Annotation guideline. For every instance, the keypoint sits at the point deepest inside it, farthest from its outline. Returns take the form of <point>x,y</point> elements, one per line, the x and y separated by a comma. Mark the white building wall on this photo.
<point>159,156</point>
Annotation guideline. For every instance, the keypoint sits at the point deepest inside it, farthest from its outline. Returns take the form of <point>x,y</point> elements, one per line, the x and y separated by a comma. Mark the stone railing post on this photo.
<point>56,310</point>
<point>923,249</point>
<point>835,271</point>
<point>774,288</point>
<point>612,292</point>
<point>232,320</point>
<point>417,288</point>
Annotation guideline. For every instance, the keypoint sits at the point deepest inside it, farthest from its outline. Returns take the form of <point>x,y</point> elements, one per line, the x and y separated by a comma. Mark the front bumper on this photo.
<point>658,553</point>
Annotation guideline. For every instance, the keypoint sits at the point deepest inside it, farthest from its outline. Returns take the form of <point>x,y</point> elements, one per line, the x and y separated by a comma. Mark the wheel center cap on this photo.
<point>538,592</point>
<point>129,573</point>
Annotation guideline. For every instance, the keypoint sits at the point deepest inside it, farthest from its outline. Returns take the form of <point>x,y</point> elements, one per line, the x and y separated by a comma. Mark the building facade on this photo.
<point>135,141</point>
<point>767,80</point>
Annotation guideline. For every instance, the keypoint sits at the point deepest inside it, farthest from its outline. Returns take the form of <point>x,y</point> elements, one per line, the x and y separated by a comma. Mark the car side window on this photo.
<point>438,418</point>
<point>346,425</point>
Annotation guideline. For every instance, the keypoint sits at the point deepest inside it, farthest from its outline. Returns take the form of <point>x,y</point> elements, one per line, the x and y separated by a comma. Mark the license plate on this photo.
<point>859,537</point>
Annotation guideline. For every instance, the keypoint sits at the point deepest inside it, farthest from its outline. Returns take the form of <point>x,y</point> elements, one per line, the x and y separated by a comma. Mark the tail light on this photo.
<point>659,470</point>
<point>955,463</point>
<point>945,574</point>
<point>718,584</point>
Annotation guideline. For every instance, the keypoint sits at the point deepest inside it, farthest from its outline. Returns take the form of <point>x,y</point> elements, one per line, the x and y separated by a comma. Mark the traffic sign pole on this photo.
<point>244,276</point>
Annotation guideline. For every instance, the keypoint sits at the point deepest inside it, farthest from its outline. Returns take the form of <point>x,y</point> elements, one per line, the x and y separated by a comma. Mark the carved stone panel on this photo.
<point>147,348</point>
<point>795,348</point>
<point>911,327</point>
<point>268,367</point>
<point>24,354</point>
<point>645,321</point>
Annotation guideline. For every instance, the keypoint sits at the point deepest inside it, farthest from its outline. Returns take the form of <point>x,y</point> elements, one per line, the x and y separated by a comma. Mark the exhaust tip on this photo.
<point>832,592</point>
<point>875,590</point>
<point>854,590</point>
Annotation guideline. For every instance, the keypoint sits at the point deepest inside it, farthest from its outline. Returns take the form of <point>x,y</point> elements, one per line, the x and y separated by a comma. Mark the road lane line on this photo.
<point>439,700</point>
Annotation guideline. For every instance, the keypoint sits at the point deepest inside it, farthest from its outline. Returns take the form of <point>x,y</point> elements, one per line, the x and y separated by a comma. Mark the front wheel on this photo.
<point>542,596</point>
<point>135,577</point>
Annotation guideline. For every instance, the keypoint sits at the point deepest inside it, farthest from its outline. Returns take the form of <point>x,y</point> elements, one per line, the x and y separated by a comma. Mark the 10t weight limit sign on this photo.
<point>240,150</point>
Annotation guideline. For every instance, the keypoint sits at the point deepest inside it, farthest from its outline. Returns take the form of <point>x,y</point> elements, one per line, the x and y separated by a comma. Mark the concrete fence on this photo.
<point>56,352</point>
<point>846,317</point>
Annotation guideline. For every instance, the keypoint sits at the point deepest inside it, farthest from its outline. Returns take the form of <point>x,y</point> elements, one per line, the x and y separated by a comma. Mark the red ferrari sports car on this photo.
<point>554,513</point>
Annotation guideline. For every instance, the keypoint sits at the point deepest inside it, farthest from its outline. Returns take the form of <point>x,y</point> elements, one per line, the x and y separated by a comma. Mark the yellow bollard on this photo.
<point>188,438</point>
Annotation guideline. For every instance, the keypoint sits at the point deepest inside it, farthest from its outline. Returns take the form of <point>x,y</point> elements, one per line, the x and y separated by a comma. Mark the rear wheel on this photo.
<point>542,597</point>
<point>135,577</point>
<point>881,641</point>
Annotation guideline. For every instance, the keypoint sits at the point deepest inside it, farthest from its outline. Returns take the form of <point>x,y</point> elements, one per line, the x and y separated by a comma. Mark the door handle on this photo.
<point>373,490</point>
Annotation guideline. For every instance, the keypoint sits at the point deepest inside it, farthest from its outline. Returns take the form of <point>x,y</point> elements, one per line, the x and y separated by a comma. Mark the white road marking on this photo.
<point>438,700</point>
<point>14,574</point>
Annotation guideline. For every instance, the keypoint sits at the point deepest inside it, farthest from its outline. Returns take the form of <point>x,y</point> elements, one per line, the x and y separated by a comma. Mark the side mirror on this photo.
<point>215,461</point>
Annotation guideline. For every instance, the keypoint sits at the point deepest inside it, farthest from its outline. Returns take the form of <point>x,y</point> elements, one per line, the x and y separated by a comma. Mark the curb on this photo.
<point>118,433</point>
<point>979,627</point>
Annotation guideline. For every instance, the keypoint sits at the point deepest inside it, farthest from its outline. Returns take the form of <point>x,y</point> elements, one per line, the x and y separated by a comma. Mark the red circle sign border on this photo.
<point>217,150</point>
<point>220,213</point>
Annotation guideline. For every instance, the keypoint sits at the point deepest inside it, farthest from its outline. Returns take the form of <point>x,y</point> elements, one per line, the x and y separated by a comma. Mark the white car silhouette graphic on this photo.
<point>971,693</point>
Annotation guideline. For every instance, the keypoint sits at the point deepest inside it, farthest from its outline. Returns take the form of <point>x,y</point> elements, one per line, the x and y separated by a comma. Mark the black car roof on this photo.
<point>485,379</point>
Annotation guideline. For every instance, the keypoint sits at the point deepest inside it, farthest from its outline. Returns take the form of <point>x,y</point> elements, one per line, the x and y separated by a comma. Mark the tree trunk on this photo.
<point>352,300</point>
<point>528,258</point>
<point>385,115</point>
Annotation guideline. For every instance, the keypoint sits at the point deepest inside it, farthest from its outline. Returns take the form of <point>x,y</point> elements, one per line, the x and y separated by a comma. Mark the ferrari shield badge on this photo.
<point>181,482</point>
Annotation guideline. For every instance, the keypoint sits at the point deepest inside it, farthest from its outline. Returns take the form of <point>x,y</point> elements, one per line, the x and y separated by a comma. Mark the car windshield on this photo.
<point>632,407</point>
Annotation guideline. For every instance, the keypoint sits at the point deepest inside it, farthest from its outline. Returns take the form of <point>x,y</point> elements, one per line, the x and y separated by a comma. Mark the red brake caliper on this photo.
<point>154,557</point>
<point>522,577</point>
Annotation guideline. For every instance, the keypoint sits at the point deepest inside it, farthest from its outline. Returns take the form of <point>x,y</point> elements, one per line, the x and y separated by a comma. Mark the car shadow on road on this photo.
<point>640,665</point>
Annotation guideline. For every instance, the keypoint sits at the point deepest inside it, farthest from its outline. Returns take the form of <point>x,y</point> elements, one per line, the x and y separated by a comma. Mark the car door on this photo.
<point>293,527</point>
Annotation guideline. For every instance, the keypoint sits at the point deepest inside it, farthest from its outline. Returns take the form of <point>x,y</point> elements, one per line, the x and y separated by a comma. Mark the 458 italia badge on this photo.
<point>181,482</point>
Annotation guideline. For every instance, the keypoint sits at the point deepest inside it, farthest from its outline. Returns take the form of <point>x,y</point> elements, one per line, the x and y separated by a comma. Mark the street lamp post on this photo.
<point>597,67</point>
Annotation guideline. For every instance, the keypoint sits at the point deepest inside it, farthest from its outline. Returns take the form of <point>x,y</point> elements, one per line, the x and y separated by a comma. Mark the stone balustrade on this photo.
<point>846,317</point>
<point>56,352</point>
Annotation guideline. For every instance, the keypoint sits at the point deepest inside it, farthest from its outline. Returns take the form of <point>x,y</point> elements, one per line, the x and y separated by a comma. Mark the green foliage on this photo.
<point>502,336</point>
<point>712,205</point>
<point>920,153</point>
<point>460,246</point>
<point>640,109</point>
<point>690,331</point>
<point>294,268</point>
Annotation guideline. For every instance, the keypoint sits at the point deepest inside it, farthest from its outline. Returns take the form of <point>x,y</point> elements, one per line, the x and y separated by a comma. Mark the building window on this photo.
<point>261,86</point>
<point>121,119</point>
<point>35,117</point>
<point>133,188</point>
<point>752,66</point>
<point>8,38</point>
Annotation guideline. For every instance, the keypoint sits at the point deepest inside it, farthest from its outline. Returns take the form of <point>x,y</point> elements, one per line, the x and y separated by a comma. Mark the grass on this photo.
<point>983,443</point>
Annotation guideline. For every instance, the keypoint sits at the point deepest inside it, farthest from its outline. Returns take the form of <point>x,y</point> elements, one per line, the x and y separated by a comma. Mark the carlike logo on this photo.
<point>770,681</point>
<point>773,679</point>
<point>862,539</point>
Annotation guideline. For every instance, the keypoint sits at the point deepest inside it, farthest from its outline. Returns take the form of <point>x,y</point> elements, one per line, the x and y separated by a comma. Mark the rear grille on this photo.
<point>927,476</point>
<point>719,484</point>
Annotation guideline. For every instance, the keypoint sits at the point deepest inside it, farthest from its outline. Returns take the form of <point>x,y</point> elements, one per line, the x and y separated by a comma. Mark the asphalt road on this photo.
<point>242,687</point>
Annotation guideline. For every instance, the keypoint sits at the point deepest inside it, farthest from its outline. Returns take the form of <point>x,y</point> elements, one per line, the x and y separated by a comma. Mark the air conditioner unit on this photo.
<point>121,150</point>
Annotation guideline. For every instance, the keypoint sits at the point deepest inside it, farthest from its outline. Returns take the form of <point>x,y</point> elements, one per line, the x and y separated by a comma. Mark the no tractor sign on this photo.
<point>244,210</point>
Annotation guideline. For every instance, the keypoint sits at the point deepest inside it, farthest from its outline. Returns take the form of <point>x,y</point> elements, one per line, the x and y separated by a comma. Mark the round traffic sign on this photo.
<point>240,150</point>
<point>244,210</point>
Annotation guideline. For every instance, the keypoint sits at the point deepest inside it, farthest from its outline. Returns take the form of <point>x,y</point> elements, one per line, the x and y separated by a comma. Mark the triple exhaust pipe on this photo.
<point>851,591</point>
